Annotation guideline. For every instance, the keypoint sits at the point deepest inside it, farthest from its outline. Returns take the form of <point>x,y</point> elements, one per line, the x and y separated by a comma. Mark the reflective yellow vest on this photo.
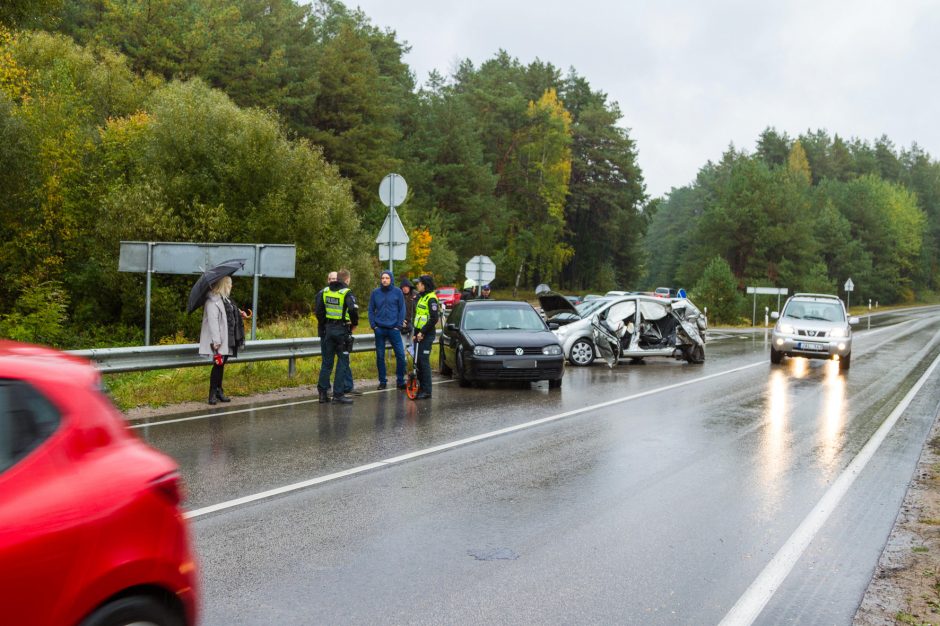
<point>335,302</point>
<point>421,309</point>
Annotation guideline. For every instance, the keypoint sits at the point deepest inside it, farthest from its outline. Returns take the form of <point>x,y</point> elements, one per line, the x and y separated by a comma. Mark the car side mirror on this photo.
<point>853,321</point>
<point>553,325</point>
<point>451,326</point>
<point>774,315</point>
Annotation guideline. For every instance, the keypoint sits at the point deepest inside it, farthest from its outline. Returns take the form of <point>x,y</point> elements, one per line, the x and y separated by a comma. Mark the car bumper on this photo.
<point>812,348</point>
<point>525,367</point>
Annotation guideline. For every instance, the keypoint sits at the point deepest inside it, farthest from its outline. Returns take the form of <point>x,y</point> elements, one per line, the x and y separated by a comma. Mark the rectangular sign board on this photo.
<point>768,291</point>
<point>276,260</point>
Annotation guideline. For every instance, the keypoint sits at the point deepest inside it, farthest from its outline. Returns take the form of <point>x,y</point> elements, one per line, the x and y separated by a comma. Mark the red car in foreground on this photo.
<point>91,530</point>
<point>448,296</point>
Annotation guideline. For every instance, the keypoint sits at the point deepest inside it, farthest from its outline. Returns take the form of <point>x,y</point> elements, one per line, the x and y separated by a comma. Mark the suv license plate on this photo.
<point>812,346</point>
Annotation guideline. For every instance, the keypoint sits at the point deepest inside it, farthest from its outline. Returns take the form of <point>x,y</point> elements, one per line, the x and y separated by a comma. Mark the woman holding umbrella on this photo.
<point>222,332</point>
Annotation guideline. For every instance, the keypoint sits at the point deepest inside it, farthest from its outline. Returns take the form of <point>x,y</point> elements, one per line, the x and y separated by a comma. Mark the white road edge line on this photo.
<point>441,382</point>
<point>257,408</point>
<point>454,444</point>
<point>749,606</point>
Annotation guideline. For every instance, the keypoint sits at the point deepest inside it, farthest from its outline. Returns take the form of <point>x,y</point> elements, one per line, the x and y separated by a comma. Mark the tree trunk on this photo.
<point>515,288</point>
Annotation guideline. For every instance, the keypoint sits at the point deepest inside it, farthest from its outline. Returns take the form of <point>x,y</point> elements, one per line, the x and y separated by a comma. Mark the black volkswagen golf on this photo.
<point>497,340</point>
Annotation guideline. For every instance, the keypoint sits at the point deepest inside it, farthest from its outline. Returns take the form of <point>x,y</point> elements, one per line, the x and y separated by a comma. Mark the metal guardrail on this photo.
<point>141,358</point>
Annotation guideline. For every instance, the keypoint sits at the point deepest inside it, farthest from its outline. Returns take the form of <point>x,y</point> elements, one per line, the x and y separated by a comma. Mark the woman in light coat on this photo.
<point>219,337</point>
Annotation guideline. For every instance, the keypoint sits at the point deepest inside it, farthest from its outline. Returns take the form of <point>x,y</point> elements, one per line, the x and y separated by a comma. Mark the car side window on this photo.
<point>27,419</point>
<point>456,314</point>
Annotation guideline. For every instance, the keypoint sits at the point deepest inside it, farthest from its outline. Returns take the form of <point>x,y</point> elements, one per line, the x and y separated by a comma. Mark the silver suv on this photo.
<point>814,326</point>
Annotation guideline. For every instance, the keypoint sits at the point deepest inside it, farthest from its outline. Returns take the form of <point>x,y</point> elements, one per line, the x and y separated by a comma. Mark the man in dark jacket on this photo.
<point>427,312</point>
<point>387,317</point>
<point>340,314</point>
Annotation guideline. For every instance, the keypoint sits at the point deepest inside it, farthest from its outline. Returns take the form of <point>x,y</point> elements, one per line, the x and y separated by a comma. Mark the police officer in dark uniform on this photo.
<point>427,312</point>
<point>338,313</point>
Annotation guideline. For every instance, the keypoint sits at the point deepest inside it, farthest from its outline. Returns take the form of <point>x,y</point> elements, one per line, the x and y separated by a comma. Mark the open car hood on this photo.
<point>553,303</point>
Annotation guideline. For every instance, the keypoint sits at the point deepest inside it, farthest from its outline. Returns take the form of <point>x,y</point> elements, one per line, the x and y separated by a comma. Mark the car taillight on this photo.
<point>170,486</point>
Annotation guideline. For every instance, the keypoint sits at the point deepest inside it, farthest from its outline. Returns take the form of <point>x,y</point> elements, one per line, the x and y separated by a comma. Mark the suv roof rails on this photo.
<point>816,295</point>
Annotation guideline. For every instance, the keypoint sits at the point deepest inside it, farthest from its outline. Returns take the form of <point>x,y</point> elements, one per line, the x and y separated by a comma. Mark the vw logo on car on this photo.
<point>519,351</point>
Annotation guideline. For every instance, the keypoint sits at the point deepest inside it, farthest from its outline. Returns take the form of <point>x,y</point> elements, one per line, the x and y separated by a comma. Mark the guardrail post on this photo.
<point>291,367</point>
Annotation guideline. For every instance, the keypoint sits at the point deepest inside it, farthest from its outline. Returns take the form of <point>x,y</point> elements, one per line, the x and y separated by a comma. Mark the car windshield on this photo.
<point>590,306</point>
<point>502,318</point>
<point>813,310</point>
<point>445,292</point>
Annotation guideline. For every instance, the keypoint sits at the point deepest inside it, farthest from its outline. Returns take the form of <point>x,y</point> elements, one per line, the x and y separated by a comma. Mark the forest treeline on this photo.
<point>805,213</point>
<point>272,122</point>
<point>268,121</point>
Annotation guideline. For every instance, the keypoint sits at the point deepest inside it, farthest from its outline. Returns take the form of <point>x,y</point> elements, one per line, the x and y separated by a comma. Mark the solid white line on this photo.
<point>749,606</point>
<point>454,444</point>
<point>441,382</point>
<point>257,408</point>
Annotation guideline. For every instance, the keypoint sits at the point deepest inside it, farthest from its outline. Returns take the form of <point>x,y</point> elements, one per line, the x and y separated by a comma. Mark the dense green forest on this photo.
<point>273,122</point>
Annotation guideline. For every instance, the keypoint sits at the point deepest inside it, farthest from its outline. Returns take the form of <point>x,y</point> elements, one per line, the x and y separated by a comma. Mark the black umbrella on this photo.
<point>197,295</point>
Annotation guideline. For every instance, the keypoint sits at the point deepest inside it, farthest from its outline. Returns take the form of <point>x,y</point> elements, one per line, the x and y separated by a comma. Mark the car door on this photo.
<point>42,518</point>
<point>450,338</point>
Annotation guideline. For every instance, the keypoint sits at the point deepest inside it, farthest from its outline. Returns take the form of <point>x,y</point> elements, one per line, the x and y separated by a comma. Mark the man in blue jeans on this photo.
<point>387,316</point>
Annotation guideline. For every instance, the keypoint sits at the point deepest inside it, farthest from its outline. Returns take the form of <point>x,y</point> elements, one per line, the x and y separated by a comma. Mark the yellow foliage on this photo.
<point>419,250</point>
<point>798,164</point>
<point>13,78</point>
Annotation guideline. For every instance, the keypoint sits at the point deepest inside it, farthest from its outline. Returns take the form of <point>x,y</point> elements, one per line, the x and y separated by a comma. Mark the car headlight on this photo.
<point>787,329</point>
<point>552,350</point>
<point>839,332</point>
<point>484,351</point>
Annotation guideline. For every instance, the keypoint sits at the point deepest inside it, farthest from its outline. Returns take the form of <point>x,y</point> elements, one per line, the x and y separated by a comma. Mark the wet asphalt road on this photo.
<point>652,494</point>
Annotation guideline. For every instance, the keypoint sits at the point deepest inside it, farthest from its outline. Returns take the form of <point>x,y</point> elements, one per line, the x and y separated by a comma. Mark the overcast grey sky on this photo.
<point>693,76</point>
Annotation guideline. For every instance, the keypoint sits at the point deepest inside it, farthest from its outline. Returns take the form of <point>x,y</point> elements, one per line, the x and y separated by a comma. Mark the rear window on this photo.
<point>27,419</point>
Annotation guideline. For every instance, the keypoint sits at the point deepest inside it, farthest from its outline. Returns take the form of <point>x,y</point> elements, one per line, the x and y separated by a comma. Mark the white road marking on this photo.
<point>258,408</point>
<point>311,401</point>
<point>455,444</point>
<point>749,606</point>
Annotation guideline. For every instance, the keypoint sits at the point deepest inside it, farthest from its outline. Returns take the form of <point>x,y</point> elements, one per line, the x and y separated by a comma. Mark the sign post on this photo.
<point>849,288</point>
<point>162,257</point>
<point>392,238</point>
<point>481,269</point>
<point>767,291</point>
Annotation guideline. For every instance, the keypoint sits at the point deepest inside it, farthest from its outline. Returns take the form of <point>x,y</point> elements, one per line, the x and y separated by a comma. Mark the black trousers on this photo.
<point>215,376</point>
<point>424,361</point>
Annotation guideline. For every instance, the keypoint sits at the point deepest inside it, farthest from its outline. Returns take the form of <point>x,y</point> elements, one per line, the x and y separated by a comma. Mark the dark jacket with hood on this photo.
<point>387,305</point>
<point>410,299</point>
<point>351,307</point>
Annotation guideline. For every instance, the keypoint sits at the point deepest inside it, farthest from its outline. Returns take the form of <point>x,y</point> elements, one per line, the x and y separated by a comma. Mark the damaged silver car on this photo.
<point>641,326</point>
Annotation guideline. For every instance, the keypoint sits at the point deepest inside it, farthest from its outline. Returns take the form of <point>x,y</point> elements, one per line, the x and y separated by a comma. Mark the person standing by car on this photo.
<point>427,311</point>
<point>387,316</point>
<point>221,334</point>
<point>338,308</point>
<point>485,293</point>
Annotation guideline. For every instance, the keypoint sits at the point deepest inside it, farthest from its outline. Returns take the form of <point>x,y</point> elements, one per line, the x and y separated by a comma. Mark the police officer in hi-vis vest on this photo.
<point>427,311</point>
<point>338,312</point>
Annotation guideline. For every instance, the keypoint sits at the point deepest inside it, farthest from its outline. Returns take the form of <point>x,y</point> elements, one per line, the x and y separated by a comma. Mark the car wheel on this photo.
<point>845,362</point>
<point>134,610</point>
<point>442,364</point>
<point>775,356</point>
<point>461,373</point>
<point>582,353</point>
<point>554,384</point>
<point>695,354</point>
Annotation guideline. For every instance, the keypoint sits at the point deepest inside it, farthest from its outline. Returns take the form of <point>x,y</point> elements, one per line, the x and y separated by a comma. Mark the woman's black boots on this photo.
<point>212,399</point>
<point>221,395</point>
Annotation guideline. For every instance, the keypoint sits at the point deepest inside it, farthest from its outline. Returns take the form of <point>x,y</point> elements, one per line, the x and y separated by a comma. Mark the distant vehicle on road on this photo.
<point>91,529</point>
<point>814,326</point>
<point>499,340</point>
<point>448,296</point>
<point>665,292</point>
